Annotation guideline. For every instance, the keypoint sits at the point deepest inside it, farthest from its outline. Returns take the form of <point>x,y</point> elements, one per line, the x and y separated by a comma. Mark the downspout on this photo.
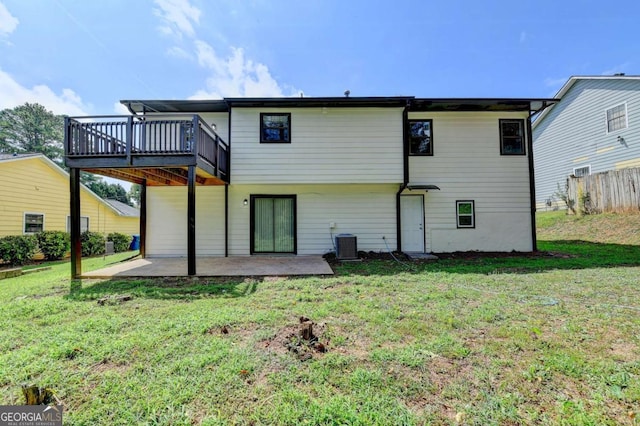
<point>405,175</point>
<point>226,220</point>
<point>532,184</point>
<point>398,220</point>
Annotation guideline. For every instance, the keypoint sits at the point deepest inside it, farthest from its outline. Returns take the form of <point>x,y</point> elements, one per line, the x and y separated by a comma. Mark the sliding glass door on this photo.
<point>273,224</point>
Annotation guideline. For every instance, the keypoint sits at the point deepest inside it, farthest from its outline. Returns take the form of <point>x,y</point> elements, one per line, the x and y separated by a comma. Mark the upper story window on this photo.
<point>420,137</point>
<point>275,127</point>
<point>512,137</point>
<point>617,118</point>
<point>33,223</point>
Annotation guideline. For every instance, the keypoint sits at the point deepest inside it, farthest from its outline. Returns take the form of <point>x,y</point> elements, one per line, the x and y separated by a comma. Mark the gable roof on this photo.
<point>6,158</point>
<point>123,208</point>
<point>573,80</point>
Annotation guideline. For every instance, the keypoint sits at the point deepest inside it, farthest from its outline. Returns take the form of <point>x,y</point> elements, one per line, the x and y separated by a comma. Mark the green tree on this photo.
<point>134,194</point>
<point>113,191</point>
<point>32,128</point>
<point>87,179</point>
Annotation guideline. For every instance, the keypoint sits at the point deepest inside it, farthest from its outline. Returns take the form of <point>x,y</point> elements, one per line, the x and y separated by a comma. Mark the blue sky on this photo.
<point>81,57</point>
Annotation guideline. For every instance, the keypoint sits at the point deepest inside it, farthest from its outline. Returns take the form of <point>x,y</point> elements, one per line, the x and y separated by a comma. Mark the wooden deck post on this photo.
<point>143,219</point>
<point>74,213</point>
<point>191,226</point>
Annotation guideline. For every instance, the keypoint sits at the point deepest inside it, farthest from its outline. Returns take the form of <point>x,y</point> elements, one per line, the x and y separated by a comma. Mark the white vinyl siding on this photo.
<point>467,165</point>
<point>574,133</point>
<point>167,221</point>
<point>328,145</point>
<point>367,211</point>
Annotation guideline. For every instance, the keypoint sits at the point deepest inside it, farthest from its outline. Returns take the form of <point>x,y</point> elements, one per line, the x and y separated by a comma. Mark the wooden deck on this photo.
<point>147,149</point>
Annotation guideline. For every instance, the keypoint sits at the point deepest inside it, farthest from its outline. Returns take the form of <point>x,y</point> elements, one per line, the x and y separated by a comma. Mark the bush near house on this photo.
<point>18,249</point>
<point>120,241</point>
<point>92,243</point>
<point>54,245</point>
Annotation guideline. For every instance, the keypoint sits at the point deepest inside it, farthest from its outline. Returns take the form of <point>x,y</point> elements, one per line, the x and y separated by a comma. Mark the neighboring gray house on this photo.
<point>594,128</point>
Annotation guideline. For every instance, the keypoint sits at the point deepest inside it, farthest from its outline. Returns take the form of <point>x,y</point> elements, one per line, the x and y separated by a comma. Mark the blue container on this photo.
<point>135,243</point>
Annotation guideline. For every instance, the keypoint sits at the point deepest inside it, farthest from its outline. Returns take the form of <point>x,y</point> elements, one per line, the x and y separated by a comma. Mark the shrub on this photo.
<point>18,249</point>
<point>92,243</point>
<point>120,241</point>
<point>54,245</point>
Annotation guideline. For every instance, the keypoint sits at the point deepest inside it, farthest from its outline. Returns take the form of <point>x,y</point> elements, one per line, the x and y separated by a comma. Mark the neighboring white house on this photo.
<point>595,127</point>
<point>416,175</point>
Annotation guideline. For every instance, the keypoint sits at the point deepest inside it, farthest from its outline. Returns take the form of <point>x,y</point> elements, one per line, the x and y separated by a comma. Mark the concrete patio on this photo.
<point>216,267</point>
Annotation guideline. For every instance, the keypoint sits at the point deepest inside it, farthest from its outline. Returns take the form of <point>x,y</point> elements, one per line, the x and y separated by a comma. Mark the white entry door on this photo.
<point>412,223</point>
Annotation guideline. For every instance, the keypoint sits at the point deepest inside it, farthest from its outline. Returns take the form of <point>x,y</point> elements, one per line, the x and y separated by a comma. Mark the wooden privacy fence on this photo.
<point>612,191</point>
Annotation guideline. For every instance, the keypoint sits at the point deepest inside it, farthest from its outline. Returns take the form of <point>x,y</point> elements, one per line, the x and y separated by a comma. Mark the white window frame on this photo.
<point>588,167</point>
<point>472,215</point>
<point>626,118</point>
<point>24,222</point>
<point>81,217</point>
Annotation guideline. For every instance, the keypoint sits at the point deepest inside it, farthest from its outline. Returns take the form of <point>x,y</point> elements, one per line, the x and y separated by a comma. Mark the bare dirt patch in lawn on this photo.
<point>304,340</point>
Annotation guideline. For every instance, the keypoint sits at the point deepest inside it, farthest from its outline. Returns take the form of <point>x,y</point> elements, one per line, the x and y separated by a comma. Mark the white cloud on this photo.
<point>177,16</point>
<point>14,94</point>
<point>8,22</point>
<point>120,109</point>
<point>178,52</point>
<point>236,76</point>
<point>231,76</point>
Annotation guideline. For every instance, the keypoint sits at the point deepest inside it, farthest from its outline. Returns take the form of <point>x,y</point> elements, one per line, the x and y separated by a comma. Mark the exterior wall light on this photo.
<point>245,202</point>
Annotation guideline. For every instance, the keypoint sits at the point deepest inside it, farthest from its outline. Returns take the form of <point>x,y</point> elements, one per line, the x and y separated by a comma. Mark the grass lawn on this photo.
<point>547,339</point>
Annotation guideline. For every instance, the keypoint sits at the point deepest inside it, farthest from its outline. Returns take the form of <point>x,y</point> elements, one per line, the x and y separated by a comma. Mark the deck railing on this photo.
<point>131,136</point>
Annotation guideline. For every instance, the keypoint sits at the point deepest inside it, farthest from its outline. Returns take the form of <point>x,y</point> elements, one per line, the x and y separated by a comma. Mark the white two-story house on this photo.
<point>593,128</point>
<point>253,176</point>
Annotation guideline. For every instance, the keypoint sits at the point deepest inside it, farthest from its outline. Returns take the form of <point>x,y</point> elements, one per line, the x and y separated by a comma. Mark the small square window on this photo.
<point>33,223</point>
<point>512,137</point>
<point>617,118</point>
<point>275,128</point>
<point>420,137</point>
<point>582,171</point>
<point>465,214</point>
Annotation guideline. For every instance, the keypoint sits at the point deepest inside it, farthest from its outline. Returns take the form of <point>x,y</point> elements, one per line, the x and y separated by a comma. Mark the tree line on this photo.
<point>31,128</point>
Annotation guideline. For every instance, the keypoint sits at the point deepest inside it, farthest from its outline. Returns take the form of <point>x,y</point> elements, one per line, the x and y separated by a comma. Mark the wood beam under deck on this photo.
<point>157,176</point>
